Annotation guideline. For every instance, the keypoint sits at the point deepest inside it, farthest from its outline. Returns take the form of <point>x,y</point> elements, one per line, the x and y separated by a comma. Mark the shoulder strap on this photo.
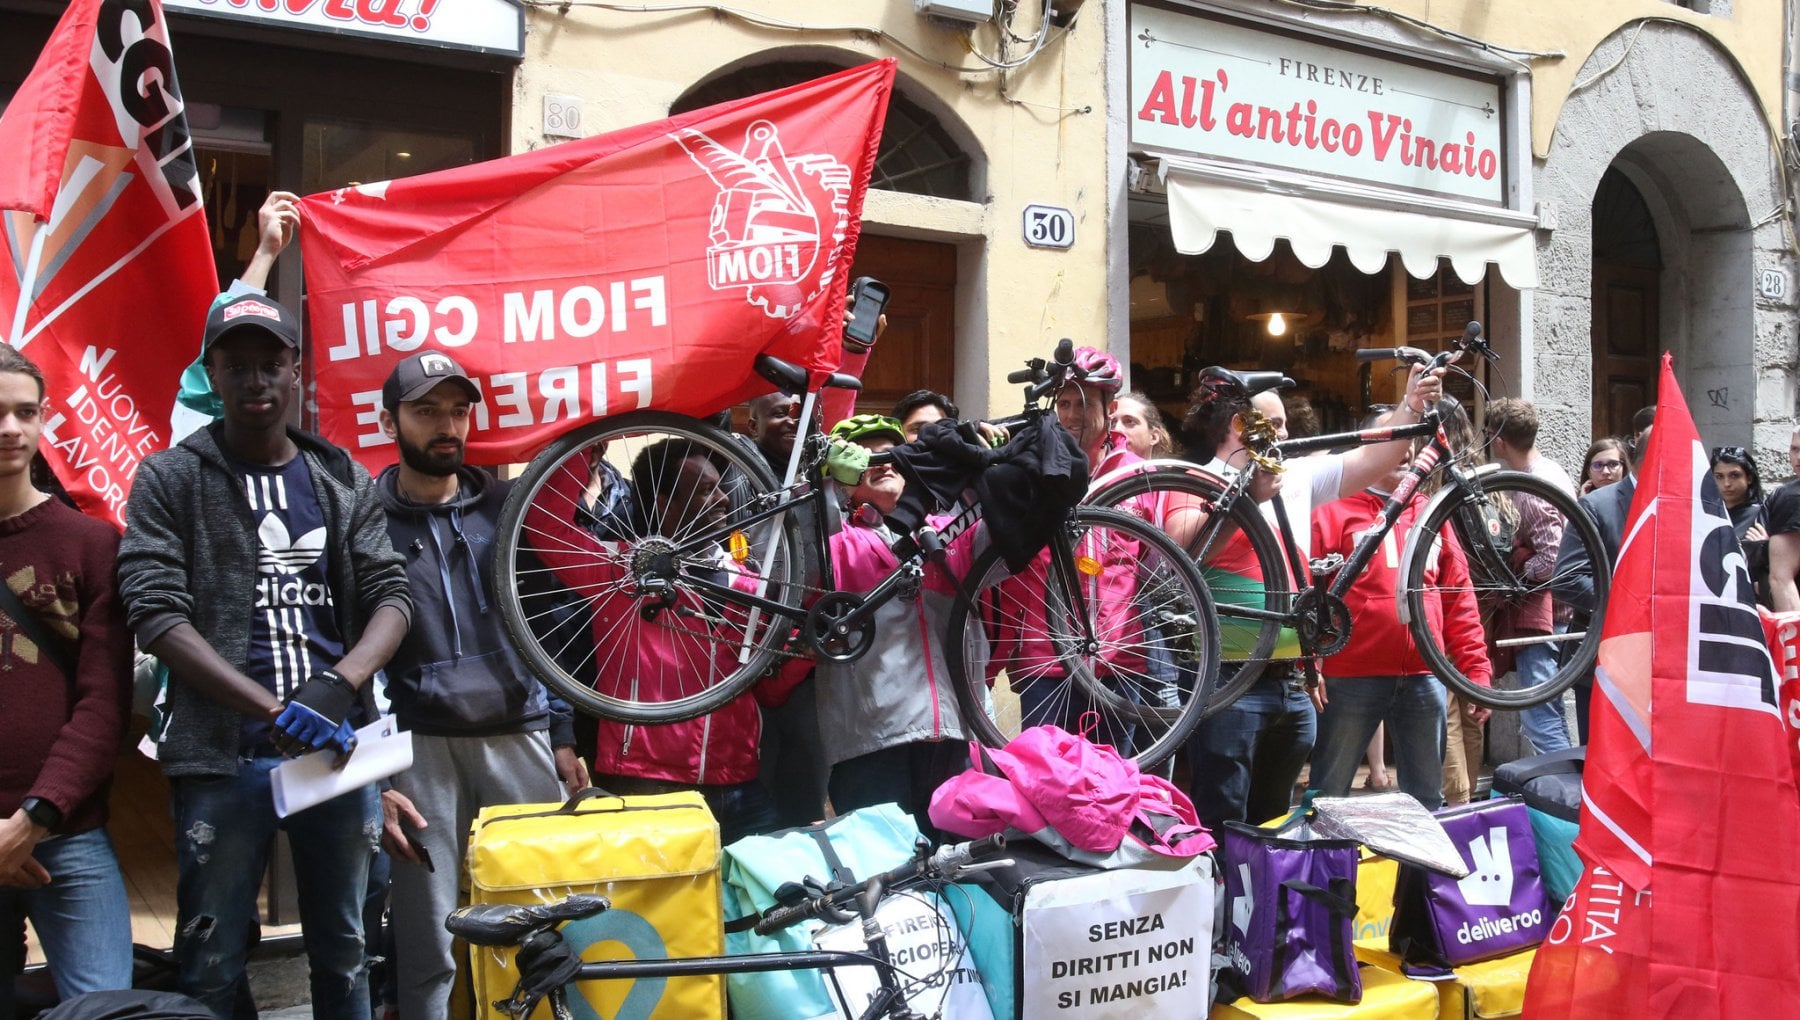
<point>56,650</point>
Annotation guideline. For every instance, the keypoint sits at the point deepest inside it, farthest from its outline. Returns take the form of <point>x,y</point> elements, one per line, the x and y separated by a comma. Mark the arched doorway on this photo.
<point>919,155</point>
<point>1627,303</point>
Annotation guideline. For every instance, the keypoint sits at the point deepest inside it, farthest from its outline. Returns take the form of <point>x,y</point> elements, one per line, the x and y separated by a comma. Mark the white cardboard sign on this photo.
<point>1126,944</point>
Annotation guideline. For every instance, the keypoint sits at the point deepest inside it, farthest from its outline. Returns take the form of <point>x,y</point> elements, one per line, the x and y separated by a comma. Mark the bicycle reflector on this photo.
<point>1088,565</point>
<point>740,547</point>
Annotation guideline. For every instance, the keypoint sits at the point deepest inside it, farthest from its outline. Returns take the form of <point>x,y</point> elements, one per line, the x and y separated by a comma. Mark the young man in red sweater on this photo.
<point>62,717</point>
<point>1379,676</point>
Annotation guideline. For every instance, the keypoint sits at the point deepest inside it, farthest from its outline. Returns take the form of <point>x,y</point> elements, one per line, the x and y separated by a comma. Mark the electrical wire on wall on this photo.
<point>1048,31</point>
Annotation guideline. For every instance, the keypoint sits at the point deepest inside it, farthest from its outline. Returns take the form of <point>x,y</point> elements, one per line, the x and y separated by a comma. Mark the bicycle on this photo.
<point>679,604</point>
<point>1259,607</point>
<point>547,965</point>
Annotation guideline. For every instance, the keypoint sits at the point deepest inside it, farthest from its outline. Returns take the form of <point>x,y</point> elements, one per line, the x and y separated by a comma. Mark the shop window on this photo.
<point>1438,308</point>
<point>917,157</point>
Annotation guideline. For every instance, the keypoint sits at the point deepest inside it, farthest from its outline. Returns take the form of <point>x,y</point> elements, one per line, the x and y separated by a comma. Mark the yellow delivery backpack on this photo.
<point>656,858</point>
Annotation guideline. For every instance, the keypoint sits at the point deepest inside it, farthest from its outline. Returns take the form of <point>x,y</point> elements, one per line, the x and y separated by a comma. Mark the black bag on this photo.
<point>130,1004</point>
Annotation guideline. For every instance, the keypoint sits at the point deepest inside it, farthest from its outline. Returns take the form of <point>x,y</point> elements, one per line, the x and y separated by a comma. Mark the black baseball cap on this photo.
<point>419,374</point>
<point>251,311</point>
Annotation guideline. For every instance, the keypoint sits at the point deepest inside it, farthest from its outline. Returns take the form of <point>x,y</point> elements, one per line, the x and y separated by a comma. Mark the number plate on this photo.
<point>1049,226</point>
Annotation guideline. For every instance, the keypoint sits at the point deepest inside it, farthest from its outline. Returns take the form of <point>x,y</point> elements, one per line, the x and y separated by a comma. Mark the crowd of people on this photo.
<point>275,580</point>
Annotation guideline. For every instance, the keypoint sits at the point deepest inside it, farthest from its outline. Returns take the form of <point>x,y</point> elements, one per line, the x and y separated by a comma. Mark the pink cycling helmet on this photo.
<point>1099,369</point>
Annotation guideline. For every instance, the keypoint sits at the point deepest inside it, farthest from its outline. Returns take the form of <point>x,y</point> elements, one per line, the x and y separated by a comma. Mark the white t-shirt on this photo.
<point>1307,482</point>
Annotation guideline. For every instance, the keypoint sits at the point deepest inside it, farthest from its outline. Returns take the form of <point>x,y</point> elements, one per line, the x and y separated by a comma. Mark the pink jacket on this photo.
<point>717,748</point>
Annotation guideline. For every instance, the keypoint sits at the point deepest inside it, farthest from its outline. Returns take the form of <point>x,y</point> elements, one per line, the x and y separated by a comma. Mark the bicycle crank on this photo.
<point>1323,622</point>
<point>831,632</point>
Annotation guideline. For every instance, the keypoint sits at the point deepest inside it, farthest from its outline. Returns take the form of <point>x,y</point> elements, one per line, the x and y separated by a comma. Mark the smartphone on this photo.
<point>419,849</point>
<point>871,297</point>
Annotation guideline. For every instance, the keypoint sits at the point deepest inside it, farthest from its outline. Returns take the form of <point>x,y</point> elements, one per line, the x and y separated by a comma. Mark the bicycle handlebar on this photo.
<point>945,862</point>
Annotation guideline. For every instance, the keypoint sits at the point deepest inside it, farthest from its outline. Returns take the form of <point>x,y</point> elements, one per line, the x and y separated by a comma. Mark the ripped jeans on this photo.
<point>224,828</point>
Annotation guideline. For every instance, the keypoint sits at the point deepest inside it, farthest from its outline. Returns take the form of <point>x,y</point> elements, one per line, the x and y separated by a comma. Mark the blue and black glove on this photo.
<point>315,716</point>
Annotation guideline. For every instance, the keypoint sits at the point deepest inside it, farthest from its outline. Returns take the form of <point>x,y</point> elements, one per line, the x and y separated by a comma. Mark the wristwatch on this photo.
<point>42,812</point>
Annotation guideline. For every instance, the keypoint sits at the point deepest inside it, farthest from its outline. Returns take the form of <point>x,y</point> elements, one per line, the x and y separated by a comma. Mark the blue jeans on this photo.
<point>1245,760</point>
<point>1412,707</point>
<point>224,827</point>
<point>82,917</point>
<point>1544,725</point>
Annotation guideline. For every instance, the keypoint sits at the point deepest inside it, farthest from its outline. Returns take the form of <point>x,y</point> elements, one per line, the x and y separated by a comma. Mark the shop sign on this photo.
<point>487,26</point>
<point>1227,91</point>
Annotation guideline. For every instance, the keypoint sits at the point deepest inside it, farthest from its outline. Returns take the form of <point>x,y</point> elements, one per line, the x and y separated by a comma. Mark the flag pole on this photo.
<point>28,284</point>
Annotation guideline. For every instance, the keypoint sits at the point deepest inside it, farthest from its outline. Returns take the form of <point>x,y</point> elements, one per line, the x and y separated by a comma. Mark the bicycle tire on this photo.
<point>577,591</point>
<point>1496,589</point>
<point>1049,628</point>
<point>1246,644</point>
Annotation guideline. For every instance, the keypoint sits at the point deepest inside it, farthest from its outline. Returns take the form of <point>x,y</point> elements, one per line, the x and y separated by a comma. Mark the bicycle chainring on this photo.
<point>829,632</point>
<point>1323,621</point>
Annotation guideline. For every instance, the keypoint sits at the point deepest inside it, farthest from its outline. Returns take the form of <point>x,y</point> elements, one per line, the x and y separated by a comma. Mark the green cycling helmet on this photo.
<point>868,426</point>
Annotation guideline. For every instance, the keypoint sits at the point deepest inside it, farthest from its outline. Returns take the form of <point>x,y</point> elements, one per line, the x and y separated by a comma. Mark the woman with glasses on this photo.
<point>1605,464</point>
<point>1740,486</point>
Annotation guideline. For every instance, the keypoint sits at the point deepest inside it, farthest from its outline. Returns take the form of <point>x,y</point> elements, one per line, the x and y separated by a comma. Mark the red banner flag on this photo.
<point>112,269</point>
<point>644,268</point>
<point>1690,822</point>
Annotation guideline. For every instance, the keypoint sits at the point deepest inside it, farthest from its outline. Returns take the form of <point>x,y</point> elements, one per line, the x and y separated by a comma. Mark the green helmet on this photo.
<point>868,426</point>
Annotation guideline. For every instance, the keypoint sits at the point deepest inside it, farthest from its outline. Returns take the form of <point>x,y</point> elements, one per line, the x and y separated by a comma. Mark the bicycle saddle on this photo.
<point>1249,383</point>
<point>790,378</point>
<point>507,924</point>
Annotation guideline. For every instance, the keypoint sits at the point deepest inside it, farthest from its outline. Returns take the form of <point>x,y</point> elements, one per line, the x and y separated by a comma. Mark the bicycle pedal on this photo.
<point>1323,568</point>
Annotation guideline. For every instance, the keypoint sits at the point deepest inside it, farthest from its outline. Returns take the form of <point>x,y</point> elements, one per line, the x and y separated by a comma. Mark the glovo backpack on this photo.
<point>656,858</point>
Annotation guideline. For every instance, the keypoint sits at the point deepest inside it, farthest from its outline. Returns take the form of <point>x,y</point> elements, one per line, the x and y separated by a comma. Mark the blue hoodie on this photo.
<point>456,674</point>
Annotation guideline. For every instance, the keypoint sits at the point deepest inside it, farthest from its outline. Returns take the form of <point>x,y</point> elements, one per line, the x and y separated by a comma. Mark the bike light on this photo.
<point>740,547</point>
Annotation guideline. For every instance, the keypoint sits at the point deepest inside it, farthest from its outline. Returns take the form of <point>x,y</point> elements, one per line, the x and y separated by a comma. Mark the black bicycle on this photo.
<point>670,607</point>
<point>548,965</point>
<point>1273,605</point>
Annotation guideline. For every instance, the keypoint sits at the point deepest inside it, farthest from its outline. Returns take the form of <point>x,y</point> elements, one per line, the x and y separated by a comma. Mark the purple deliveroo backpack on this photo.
<point>1290,906</point>
<point>1500,908</point>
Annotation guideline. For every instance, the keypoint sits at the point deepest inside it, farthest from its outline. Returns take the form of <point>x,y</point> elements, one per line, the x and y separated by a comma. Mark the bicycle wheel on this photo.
<point>634,603</point>
<point>1110,630</point>
<point>1498,584</point>
<point>1235,551</point>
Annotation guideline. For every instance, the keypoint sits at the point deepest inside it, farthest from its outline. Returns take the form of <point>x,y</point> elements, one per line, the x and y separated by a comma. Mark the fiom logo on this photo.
<point>1490,883</point>
<point>777,221</point>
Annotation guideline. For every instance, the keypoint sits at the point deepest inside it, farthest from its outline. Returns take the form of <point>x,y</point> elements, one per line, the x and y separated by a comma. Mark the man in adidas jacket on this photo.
<point>256,564</point>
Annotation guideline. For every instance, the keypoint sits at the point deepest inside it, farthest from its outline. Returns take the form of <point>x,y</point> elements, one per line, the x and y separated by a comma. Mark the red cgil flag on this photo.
<point>1690,825</point>
<point>645,268</point>
<point>110,266</point>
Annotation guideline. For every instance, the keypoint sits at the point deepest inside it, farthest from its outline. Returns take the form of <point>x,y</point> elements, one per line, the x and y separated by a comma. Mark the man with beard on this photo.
<point>484,730</point>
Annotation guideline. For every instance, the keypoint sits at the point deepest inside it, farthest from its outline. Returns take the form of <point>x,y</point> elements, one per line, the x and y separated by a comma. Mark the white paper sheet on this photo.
<point>382,749</point>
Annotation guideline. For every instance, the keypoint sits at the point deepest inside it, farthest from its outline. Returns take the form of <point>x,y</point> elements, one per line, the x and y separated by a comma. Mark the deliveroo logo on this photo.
<point>1242,905</point>
<point>1490,882</point>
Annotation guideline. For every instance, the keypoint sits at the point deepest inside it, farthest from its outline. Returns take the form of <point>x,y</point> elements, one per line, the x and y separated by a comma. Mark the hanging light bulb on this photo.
<point>1277,324</point>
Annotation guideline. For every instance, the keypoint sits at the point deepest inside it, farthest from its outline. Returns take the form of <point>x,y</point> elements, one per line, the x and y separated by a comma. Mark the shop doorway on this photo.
<point>1627,302</point>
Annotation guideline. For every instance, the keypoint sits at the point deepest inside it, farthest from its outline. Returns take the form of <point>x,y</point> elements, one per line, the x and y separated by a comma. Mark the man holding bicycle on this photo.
<point>1245,759</point>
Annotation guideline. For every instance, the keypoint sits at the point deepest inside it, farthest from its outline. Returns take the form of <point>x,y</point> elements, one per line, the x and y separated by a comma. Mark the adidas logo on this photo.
<point>279,558</point>
<point>282,554</point>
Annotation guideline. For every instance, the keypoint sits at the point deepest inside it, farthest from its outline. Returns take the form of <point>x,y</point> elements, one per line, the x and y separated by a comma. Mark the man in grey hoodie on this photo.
<point>484,730</point>
<point>256,566</point>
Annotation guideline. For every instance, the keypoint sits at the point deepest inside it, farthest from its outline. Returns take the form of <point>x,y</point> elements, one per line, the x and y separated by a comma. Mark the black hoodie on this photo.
<point>456,674</point>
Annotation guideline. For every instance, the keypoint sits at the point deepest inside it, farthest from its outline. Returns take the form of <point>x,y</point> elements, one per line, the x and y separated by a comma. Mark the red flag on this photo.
<point>639,269</point>
<point>112,268</point>
<point>1690,823</point>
